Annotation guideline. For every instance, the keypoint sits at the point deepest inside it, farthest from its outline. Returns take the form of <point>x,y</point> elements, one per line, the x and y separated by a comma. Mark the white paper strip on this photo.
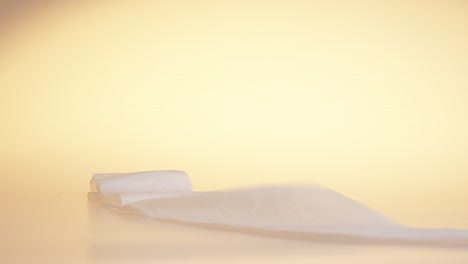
<point>297,211</point>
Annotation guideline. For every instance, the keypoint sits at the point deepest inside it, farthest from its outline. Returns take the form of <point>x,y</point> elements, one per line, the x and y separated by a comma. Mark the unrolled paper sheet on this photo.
<point>313,212</point>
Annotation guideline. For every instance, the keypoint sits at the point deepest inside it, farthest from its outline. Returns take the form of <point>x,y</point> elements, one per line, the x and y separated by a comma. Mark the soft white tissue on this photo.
<point>163,181</point>
<point>311,212</point>
<point>119,200</point>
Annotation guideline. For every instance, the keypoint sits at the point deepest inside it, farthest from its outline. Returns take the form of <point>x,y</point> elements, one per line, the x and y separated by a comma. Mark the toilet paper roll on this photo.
<point>161,181</point>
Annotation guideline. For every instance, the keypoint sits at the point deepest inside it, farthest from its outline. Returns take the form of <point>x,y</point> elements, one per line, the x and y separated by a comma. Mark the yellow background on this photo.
<point>366,97</point>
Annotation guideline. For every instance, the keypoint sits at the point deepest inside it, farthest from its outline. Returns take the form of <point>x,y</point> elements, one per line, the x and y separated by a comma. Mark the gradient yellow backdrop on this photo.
<point>367,97</point>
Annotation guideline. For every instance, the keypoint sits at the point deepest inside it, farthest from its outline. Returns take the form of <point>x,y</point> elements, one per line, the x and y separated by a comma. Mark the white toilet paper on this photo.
<point>163,181</point>
<point>295,211</point>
